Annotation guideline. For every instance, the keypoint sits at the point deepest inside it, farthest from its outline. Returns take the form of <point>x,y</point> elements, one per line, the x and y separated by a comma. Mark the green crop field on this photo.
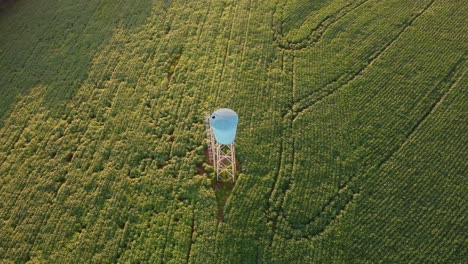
<point>352,140</point>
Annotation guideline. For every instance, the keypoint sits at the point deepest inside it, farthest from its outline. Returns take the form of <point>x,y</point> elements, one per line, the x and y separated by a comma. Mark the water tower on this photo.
<point>222,126</point>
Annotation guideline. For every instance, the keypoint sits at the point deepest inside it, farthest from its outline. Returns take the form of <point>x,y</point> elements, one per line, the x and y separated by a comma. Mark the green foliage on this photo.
<point>351,141</point>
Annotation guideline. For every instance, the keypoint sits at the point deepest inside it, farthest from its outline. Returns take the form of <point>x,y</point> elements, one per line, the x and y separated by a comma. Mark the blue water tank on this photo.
<point>224,124</point>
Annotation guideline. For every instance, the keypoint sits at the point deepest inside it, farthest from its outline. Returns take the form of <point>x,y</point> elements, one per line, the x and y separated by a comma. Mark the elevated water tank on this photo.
<point>224,124</point>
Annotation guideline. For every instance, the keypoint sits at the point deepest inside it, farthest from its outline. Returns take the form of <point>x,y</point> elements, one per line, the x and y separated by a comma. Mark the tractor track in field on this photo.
<point>329,20</point>
<point>449,83</point>
<point>169,228</point>
<point>228,43</point>
<point>308,100</point>
<point>246,37</point>
<point>347,191</point>
<point>208,10</point>
<point>226,49</point>
<point>192,231</point>
<point>85,28</point>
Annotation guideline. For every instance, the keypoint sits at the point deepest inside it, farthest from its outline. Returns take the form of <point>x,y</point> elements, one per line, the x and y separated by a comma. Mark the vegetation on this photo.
<point>352,136</point>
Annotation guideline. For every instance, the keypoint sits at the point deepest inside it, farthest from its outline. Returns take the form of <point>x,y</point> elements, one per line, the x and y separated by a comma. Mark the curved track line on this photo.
<point>296,109</point>
<point>316,33</point>
<point>450,81</point>
<point>308,101</point>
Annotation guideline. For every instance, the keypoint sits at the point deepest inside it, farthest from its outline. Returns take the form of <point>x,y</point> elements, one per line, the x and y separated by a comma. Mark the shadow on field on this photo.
<point>4,4</point>
<point>223,190</point>
<point>52,43</point>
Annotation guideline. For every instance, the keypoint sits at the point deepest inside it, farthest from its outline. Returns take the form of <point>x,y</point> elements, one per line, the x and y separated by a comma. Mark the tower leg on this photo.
<point>225,162</point>
<point>233,161</point>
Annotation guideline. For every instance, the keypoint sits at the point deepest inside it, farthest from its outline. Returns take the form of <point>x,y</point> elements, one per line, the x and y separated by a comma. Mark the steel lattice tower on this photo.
<point>222,156</point>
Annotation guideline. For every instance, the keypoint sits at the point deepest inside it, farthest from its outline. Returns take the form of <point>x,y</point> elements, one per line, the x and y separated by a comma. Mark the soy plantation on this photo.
<point>352,140</point>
